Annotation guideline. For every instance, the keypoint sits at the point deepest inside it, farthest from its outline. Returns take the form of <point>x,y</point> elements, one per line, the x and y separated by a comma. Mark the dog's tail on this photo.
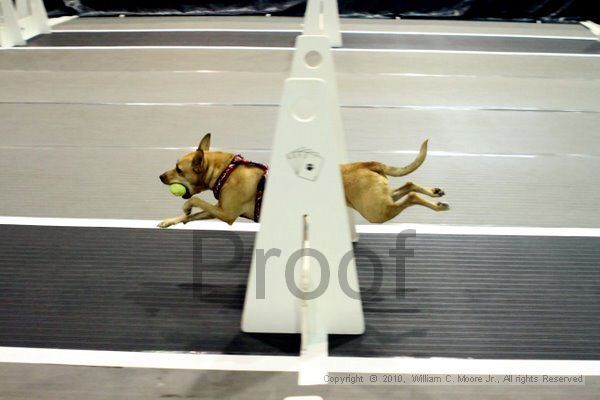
<point>401,171</point>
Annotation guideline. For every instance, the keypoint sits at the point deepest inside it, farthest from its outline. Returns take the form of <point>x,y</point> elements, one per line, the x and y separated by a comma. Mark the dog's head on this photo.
<point>189,170</point>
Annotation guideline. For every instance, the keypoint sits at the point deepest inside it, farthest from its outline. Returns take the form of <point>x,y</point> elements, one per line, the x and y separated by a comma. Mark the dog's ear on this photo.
<point>204,143</point>
<point>197,160</point>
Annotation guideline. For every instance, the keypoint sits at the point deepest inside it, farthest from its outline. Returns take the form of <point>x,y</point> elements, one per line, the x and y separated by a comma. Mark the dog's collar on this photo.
<point>236,162</point>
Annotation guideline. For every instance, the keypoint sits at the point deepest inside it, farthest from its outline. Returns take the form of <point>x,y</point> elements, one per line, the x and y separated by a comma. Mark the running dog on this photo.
<point>238,185</point>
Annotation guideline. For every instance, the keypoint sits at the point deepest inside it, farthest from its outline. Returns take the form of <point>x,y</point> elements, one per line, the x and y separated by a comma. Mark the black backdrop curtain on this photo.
<point>515,10</point>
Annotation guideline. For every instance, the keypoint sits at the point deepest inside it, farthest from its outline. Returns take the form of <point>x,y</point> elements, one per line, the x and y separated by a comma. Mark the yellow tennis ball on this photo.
<point>177,189</point>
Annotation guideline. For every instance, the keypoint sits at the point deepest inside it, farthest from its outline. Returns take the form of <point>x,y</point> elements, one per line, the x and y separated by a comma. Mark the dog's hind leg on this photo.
<point>383,212</point>
<point>411,199</point>
<point>408,187</point>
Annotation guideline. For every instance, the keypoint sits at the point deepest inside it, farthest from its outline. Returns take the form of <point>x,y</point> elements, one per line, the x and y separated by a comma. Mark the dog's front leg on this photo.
<point>215,210</point>
<point>184,219</point>
<point>172,221</point>
<point>198,216</point>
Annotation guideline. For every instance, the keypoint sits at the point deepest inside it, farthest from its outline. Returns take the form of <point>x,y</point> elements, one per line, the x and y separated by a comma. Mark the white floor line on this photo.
<point>506,53</point>
<point>127,223</point>
<point>192,361</point>
<point>337,50</point>
<point>462,34</point>
<point>55,48</point>
<point>425,229</point>
<point>252,227</point>
<point>141,30</point>
<point>362,32</point>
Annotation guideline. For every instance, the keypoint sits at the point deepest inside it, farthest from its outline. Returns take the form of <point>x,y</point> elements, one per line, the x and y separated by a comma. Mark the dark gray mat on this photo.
<point>351,40</point>
<point>143,289</point>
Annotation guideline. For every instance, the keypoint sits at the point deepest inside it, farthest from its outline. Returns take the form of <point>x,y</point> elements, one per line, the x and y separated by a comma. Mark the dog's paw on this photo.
<point>166,223</point>
<point>443,206</point>
<point>438,192</point>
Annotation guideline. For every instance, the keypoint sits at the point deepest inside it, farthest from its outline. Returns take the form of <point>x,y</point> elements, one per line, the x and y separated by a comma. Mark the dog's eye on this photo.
<point>178,170</point>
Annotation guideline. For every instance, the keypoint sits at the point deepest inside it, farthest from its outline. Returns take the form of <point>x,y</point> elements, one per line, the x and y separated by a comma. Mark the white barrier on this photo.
<point>22,22</point>
<point>304,180</point>
<point>304,221</point>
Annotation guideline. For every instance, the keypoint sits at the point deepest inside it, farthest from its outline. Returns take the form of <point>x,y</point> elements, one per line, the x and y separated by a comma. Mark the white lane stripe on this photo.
<point>255,48</point>
<point>462,34</point>
<point>126,223</point>
<point>267,151</point>
<point>252,227</point>
<point>176,30</point>
<point>276,105</point>
<point>360,32</point>
<point>505,53</point>
<point>293,364</point>
<point>54,48</point>
<point>342,105</point>
<point>425,229</point>
<point>147,360</point>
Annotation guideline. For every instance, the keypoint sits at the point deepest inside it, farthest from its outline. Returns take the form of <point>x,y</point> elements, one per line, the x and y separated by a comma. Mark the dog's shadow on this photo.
<point>174,298</point>
<point>190,303</point>
<point>229,296</point>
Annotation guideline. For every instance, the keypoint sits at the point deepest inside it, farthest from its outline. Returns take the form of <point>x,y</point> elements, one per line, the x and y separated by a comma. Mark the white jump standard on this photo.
<point>20,23</point>
<point>305,168</point>
<point>314,230</point>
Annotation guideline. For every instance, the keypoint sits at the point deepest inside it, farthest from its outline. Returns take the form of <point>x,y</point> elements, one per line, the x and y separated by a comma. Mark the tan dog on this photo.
<point>365,185</point>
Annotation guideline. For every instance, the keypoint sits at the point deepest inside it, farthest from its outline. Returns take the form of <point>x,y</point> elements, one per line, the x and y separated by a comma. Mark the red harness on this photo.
<point>260,188</point>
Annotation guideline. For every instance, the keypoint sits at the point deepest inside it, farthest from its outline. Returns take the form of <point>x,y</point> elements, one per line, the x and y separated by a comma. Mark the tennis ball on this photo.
<point>177,189</point>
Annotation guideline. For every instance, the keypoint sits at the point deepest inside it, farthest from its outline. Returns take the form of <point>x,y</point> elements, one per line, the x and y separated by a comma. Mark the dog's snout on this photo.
<point>163,178</point>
